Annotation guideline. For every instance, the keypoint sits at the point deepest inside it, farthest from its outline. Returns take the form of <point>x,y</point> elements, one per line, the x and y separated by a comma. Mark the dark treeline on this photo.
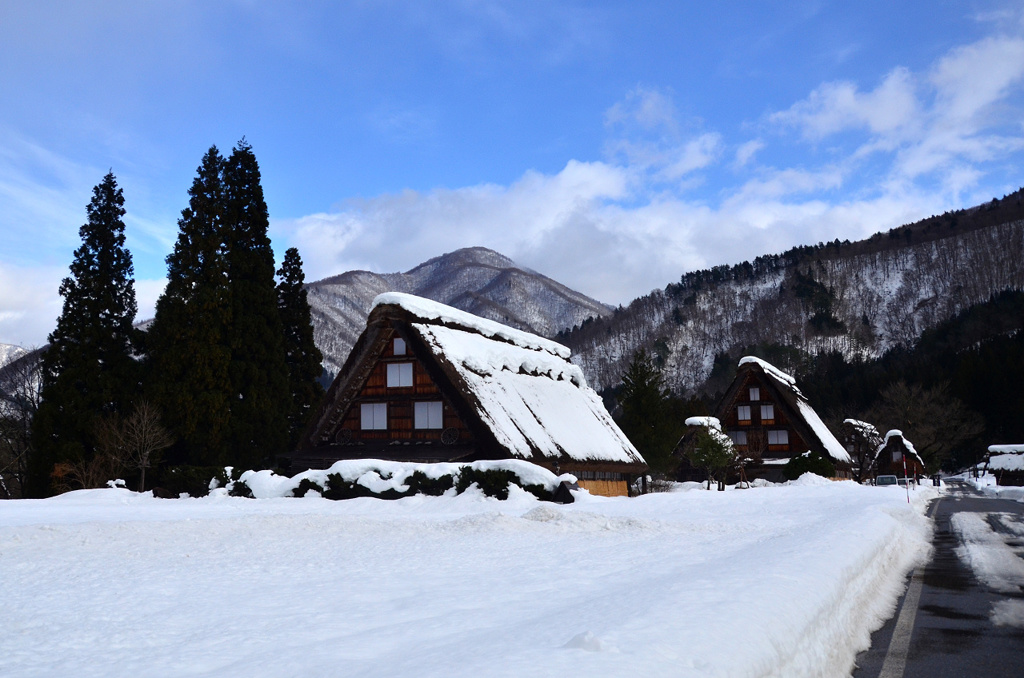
<point>225,375</point>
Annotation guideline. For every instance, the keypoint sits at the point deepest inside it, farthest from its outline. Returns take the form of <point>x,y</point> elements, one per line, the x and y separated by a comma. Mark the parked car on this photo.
<point>886,480</point>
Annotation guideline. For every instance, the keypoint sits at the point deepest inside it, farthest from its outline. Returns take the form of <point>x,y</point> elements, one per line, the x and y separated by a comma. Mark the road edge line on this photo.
<point>899,645</point>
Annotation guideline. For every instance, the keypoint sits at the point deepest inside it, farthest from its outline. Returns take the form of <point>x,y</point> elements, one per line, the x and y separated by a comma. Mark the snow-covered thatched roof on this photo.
<point>522,387</point>
<point>787,387</point>
<point>866,430</point>
<point>907,445</point>
<point>1006,458</point>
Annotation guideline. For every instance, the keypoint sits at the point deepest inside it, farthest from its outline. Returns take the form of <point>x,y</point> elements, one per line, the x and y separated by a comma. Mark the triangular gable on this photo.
<point>798,413</point>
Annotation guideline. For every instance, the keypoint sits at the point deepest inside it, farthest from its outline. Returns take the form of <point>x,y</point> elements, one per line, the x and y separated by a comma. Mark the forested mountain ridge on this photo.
<point>475,279</point>
<point>859,299</point>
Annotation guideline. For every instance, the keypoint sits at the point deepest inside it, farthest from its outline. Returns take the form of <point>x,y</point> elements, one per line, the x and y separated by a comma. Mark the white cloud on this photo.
<point>29,303</point>
<point>746,152</point>
<point>840,106</point>
<point>644,107</point>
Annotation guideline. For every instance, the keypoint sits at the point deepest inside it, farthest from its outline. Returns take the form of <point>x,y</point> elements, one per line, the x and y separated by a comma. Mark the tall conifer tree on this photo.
<point>88,369</point>
<point>188,343</point>
<point>258,428</point>
<point>303,358</point>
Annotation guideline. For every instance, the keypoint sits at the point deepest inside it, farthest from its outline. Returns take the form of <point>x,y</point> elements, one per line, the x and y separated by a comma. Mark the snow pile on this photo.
<point>380,476</point>
<point>532,400</point>
<point>777,581</point>
<point>707,422</point>
<point>1008,613</point>
<point>434,311</point>
<point>987,553</point>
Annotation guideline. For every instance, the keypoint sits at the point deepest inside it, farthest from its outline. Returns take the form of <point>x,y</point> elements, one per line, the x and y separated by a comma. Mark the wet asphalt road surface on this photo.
<point>952,634</point>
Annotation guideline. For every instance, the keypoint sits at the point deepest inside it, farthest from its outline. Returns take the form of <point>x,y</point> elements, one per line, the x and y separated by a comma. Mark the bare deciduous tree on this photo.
<point>19,401</point>
<point>134,442</point>
<point>932,419</point>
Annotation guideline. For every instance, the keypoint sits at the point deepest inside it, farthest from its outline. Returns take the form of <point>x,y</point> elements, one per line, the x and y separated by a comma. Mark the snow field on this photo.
<point>776,581</point>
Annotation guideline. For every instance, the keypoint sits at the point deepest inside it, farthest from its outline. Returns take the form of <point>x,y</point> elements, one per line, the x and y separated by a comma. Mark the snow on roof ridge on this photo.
<point>1006,449</point>
<point>896,433</point>
<point>428,309</point>
<point>773,371</point>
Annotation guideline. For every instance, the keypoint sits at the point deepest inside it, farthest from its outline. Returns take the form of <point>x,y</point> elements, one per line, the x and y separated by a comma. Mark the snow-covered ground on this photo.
<point>771,581</point>
<point>986,484</point>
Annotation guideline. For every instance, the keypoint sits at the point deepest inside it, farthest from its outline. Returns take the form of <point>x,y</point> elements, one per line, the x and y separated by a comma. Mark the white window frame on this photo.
<point>755,393</point>
<point>781,437</point>
<point>428,414</point>
<point>373,416</point>
<point>741,410</point>
<point>767,412</point>
<point>399,375</point>
<point>399,346</point>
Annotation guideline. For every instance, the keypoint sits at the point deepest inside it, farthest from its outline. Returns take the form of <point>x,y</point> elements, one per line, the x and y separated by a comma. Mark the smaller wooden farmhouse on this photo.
<point>770,422</point>
<point>891,454</point>
<point>429,383</point>
<point>861,440</point>
<point>1006,463</point>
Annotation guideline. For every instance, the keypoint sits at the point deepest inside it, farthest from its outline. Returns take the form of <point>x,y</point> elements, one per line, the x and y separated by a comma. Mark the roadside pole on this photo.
<point>905,477</point>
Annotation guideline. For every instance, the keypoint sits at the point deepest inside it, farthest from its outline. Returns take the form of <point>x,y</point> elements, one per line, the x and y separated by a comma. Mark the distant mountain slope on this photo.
<point>476,279</point>
<point>856,298</point>
<point>9,352</point>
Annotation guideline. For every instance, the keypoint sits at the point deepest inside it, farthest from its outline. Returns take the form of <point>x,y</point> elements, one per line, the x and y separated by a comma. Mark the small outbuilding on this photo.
<point>770,422</point>
<point>426,382</point>
<point>896,456</point>
<point>1006,463</point>
<point>861,440</point>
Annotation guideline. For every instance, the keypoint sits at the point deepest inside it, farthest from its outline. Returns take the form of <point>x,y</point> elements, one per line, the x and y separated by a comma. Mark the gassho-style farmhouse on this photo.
<point>429,383</point>
<point>769,419</point>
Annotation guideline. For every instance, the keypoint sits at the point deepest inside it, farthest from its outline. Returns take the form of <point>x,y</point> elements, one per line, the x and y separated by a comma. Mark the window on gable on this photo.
<point>743,413</point>
<point>374,416</point>
<point>755,394</point>
<point>399,346</point>
<point>778,437</point>
<point>738,437</point>
<point>428,415</point>
<point>767,413</point>
<point>399,375</point>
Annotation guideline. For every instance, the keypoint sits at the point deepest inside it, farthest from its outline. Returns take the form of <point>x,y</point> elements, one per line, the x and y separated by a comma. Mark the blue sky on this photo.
<point>610,145</point>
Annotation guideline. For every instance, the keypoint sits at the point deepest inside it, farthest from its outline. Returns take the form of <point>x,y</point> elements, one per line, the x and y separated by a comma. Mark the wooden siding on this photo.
<point>401,401</point>
<point>606,488</point>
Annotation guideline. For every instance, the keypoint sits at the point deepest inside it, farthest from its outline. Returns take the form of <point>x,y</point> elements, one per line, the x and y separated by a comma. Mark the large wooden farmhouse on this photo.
<point>428,383</point>
<point>770,421</point>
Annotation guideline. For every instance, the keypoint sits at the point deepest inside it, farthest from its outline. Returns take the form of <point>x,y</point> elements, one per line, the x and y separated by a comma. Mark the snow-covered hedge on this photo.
<point>393,480</point>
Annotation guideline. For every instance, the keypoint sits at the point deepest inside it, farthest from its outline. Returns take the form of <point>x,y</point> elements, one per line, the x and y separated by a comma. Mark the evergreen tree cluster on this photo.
<point>228,363</point>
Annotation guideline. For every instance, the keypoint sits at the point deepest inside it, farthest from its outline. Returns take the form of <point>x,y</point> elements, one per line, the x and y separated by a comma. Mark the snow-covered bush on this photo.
<point>808,462</point>
<point>196,481</point>
<point>394,480</point>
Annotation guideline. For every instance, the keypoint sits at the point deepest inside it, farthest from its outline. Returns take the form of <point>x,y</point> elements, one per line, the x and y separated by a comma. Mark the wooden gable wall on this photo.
<point>400,403</point>
<point>755,427</point>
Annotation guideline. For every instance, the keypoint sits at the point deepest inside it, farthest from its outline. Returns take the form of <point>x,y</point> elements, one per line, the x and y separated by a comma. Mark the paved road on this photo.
<point>949,631</point>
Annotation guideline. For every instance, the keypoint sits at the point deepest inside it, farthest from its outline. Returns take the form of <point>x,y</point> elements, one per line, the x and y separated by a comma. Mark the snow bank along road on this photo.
<point>775,581</point>
<point>968,614</point>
